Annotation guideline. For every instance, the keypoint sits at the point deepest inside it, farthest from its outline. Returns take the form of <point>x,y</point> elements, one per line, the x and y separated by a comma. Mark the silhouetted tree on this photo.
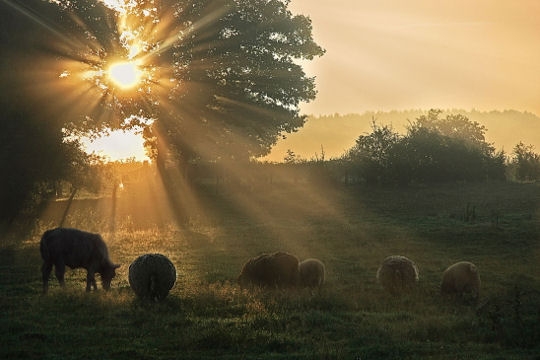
<point>451,149</point>
<point>526,162</point>
<point>238,85</point>
<point>222,78</point>
<point>371,153</point>
<point>34,150</point>
<point>33,157</point>
<point>290,158</point>
<point>433,150</point>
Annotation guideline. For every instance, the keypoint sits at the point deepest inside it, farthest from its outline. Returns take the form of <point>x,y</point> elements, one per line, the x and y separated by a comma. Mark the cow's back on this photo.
<point>74,248</point>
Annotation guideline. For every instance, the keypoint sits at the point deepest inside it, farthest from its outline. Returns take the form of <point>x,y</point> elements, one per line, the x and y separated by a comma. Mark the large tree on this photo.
<point>238,86</point>
<point>220,78</point>
<point>34,151</point>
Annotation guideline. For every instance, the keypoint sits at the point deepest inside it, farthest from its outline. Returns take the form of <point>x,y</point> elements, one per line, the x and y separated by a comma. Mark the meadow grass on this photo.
<point>207,315</point>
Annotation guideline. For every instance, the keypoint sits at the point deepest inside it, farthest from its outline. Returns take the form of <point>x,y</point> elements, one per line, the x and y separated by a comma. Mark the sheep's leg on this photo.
<point>59,271</point>
<point>46,269</point>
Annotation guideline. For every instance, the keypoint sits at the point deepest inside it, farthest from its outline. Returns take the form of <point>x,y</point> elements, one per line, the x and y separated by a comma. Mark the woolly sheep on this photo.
<point>279,269</point>
<point>311,273</point>
<point>397,274</point>
<point>151,276</point>
<point>460,279</point>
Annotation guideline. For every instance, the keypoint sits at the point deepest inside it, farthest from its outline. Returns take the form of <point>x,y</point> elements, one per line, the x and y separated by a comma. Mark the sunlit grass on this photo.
<point>207,315</point>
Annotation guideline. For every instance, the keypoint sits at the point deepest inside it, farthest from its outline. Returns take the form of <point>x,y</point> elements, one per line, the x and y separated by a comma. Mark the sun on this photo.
<point>125,75</point>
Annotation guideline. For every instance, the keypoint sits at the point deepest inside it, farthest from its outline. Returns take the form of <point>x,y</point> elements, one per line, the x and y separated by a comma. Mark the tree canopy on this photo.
<point>34,150</point>
<point>238,85</point>
<point>526,162</point>
<point>433,150</point>
<point>220,79</point>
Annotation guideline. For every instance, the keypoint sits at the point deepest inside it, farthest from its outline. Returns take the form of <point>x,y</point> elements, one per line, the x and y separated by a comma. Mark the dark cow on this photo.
<point>278,269</point>
<point>76,249</point>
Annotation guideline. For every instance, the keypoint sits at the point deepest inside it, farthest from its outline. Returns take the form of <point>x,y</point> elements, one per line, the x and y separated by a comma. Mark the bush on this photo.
<point>433,150</point>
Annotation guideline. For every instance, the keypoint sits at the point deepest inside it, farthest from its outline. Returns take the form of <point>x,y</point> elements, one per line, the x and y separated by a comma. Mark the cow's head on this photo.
<point>108,274</point>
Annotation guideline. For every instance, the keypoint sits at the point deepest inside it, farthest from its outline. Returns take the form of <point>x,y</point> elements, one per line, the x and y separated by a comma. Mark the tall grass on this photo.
<point>207,315</point>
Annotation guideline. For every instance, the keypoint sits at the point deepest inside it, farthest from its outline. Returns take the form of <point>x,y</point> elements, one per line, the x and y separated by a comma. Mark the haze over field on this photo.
<point>334,134</point>
<point>213,84</point>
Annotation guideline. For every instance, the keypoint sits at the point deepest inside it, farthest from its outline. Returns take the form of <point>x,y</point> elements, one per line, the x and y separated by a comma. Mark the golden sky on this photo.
<point>118,145</point>
<point>416,54</point>
<point>394,54</point>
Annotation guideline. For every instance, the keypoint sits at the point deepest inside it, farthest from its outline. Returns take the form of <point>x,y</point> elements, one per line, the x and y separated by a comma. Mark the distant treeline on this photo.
<point>434,148</point>
<point>337,133</point>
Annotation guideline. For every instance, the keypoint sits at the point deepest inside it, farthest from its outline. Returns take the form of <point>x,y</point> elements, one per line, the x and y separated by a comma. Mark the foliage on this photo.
<point>35,154</point>
<point>339,131</point>
<point>236,85</point>
<point>221,80</point>
<point>35,157</point>
<point>525,162</point>
<point>372,153</point>
<point>291,157</point>
<point>433,150</point>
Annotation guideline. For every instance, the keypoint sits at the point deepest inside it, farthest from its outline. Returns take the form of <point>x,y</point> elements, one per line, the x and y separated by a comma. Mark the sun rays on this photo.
<point>90,75</point>
<point>100,82</point>
<point>96,77</point>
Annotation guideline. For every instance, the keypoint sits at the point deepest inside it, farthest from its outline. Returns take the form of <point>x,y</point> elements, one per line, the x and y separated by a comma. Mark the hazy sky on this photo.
<point>421,54</point>
<point>395,54</point>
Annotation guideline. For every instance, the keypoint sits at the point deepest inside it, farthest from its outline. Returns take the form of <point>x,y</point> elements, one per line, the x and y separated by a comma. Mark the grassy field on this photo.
<point>207,316</point>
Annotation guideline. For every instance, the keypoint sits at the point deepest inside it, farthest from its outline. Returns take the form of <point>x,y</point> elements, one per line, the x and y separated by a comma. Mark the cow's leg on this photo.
<point>90,281</point>
<point>94,285</point>
<point>59,271</point>
<point>46,269</point>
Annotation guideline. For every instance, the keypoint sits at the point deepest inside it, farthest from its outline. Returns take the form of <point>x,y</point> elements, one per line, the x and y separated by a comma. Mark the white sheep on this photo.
<point>151,276</point>
<point>461,279</point>
<point>311,273</point>
<point>397,274</point>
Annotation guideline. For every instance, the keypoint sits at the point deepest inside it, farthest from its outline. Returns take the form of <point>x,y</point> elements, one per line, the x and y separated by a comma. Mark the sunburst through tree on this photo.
<point>211,80</point>
<point>220,76</point>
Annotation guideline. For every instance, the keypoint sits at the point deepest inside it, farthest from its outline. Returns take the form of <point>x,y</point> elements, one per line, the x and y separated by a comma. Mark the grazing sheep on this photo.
<point>460,279</point>
<point>397,274</point>
<point>151,276</point>
<point>278,269</point>
<point>311,273</point>
<point>63,247</point>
